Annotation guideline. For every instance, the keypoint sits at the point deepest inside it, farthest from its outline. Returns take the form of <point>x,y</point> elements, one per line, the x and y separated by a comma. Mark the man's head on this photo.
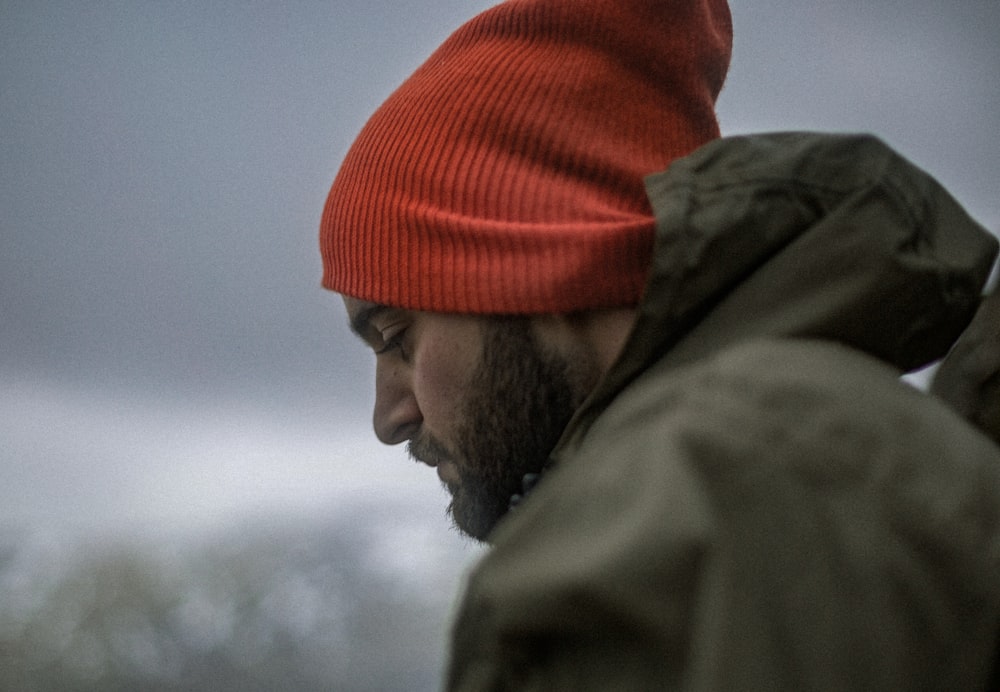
<point>504,178</point>
<point>483,399</point>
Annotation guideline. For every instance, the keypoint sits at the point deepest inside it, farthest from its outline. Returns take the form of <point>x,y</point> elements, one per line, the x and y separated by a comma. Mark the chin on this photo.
<point>473,519</point>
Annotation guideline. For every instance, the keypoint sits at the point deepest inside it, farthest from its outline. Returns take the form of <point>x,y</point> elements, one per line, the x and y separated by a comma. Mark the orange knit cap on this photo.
<point>506,174</point>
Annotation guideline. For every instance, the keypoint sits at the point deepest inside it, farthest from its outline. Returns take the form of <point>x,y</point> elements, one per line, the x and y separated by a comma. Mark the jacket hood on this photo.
<point>804,235</point>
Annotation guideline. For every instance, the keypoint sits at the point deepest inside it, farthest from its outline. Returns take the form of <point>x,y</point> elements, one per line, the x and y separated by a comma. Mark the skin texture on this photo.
<point>969,378</point>
<point>483,399</point>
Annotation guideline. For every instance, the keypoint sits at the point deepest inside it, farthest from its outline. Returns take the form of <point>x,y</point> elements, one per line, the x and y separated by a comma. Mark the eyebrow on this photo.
<point>361,322</point>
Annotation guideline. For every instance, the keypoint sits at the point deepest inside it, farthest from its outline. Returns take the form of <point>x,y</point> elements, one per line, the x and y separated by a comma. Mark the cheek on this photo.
<point>441,382</point>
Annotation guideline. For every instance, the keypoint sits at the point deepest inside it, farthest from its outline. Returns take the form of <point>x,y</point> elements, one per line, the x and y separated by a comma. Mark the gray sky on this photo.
<point>166,354</point>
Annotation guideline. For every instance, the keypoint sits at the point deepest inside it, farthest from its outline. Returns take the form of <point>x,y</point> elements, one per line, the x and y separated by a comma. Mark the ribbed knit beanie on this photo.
<point>506,174</point>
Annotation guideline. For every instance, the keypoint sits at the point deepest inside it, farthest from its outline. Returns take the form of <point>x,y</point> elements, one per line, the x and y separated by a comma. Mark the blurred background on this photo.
<point>190,493</point>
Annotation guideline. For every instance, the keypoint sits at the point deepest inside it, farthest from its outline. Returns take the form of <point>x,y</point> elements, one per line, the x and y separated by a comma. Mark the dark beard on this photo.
<point>520,401</point>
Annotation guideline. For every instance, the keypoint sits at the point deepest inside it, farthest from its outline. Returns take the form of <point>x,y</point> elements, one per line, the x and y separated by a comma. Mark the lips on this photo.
<point>430,452</point>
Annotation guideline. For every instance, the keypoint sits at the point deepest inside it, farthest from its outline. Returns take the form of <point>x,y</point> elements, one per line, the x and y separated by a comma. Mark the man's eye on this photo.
<point>392,342</point>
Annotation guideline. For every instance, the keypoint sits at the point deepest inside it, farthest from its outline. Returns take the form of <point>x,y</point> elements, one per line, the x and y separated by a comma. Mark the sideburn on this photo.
<point>521,398</point>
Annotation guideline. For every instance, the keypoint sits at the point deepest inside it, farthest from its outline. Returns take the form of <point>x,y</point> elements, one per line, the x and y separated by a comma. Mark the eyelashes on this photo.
<point>393,342</point>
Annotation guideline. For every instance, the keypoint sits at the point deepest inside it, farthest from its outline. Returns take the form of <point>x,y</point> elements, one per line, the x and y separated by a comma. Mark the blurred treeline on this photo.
<point>344,603</point>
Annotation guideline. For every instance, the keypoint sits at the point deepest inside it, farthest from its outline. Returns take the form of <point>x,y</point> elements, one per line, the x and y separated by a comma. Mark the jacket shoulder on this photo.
<point>770,517</point>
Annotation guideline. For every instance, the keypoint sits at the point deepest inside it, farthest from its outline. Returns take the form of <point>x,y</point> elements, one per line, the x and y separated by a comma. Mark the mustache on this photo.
<point>428,450</point>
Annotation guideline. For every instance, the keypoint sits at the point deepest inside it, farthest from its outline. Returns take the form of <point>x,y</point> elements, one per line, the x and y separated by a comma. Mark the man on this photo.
<point>678,358</point>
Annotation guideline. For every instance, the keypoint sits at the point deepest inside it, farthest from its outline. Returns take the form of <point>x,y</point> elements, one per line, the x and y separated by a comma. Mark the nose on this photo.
<point>396,417</point>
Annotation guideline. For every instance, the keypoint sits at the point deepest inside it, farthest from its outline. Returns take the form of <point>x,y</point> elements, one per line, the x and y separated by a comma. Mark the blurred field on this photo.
<point>359,600</point>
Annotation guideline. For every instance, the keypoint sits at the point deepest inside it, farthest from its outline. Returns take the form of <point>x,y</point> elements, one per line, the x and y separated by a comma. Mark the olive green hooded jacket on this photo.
<point>752,499</point>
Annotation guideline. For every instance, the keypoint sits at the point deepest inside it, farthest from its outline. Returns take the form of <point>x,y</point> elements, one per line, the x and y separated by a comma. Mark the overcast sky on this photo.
<point>166,354</point>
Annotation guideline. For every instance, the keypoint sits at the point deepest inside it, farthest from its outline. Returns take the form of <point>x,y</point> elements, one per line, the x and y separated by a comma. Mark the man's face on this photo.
<point>476,397</point>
